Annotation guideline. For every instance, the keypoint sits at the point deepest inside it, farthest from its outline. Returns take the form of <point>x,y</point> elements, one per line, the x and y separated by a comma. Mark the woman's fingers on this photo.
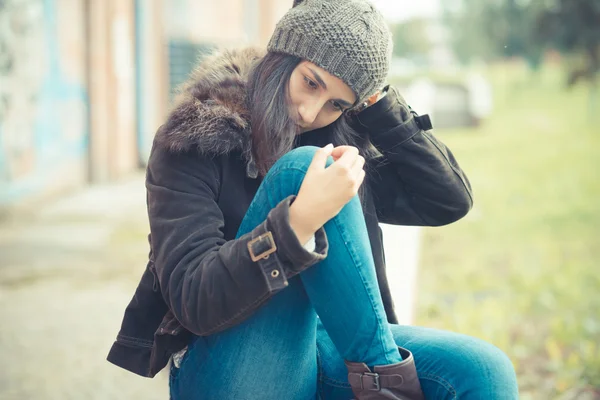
<point>338,151</point>
<point>349,167</point>
<point>348,161</point>
<point>320,158</point>
<point>358,165</point>
<point>325,191</point>
<point>347,158</point>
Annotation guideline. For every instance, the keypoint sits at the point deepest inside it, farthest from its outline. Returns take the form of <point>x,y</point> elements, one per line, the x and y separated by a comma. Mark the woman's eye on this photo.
<point>310,83</point>
<point>337,106</point>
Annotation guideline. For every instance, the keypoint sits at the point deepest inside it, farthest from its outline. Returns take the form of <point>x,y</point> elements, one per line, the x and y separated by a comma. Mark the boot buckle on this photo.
<point>372,381</point>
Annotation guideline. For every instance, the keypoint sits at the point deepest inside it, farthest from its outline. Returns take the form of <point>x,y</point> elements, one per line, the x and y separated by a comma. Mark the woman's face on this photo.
<point>317,97</point>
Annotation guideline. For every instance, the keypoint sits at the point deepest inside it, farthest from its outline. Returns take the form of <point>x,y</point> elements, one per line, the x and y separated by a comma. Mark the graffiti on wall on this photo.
<point>23,64</point>
<point>43,96</point>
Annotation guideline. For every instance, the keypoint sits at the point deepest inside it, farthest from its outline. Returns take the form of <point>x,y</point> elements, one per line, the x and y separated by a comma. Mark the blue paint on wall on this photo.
<point>57,89</point>
<point>50,147</point>
<point>144,137</point>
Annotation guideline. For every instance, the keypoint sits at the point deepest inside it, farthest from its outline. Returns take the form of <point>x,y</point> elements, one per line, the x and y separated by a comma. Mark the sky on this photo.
<point>398,10</point>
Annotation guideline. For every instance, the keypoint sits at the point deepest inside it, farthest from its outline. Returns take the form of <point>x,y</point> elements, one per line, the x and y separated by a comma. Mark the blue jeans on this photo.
<point>295,345</point>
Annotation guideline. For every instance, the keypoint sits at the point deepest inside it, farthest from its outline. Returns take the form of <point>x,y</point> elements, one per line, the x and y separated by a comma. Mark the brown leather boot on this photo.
<point>390,382</point>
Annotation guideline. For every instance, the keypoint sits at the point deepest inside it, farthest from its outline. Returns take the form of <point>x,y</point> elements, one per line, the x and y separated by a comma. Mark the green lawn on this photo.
<point>521,270</point>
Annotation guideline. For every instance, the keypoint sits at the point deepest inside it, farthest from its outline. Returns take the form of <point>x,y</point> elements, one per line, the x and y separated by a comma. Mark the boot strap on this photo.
<point>374,381</point>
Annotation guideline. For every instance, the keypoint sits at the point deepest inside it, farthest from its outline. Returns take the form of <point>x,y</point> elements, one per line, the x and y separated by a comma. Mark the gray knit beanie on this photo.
<point>347,38</point>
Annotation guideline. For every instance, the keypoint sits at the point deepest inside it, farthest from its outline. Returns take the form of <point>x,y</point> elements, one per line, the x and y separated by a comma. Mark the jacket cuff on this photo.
<point>389,122</point>
<point>275,248</point>
<point>387,141</point>
<point>382,115</point>
<point>293,255</point>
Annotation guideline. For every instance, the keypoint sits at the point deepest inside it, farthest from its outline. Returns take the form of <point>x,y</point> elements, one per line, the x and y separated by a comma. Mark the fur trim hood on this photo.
<point>210,113</point>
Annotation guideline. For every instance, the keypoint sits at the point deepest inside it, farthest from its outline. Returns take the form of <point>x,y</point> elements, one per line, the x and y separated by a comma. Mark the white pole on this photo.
<point>402,247</point>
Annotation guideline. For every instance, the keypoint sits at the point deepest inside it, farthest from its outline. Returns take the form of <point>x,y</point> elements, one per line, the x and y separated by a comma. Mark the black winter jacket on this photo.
<point>200,181</point>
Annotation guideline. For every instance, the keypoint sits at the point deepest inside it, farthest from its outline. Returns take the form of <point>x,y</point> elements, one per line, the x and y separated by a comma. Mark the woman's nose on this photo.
<point>308,113</point>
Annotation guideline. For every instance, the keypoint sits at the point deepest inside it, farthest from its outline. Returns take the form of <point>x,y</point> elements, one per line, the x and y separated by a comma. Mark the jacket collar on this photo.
<point>210,114</point>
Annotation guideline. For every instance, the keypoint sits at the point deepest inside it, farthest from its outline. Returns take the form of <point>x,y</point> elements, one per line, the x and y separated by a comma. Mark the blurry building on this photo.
<point>84,83</point>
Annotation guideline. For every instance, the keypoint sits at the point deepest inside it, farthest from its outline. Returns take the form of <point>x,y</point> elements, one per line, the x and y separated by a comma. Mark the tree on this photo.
<point>490,30</point>
<point>573,27</point>
<point>411,39</point>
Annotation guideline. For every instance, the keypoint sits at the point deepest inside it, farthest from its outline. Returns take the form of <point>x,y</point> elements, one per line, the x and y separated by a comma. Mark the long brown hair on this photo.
<point>273,129</point>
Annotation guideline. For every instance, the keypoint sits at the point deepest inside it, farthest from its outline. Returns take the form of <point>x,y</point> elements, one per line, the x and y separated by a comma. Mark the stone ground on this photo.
<point>67,272</point>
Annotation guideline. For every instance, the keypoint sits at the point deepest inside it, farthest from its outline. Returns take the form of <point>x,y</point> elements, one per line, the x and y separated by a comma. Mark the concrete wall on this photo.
<point>84,84</point>
<point>111,68</point>
<point>224,23</point>
<point>221,22</point>
<point>43,107</point>
<point>151,73</point>
<point>71,111</point>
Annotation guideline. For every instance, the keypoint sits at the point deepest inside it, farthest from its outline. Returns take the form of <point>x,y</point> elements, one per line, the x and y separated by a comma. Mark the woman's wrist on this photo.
<point>303,230</point>
<point>380,94</point>
<point>387,113</point>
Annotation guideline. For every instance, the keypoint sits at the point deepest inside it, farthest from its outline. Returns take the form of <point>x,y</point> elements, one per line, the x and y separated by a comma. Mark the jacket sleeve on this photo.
<point>210,283</point>
<point>416,180</point>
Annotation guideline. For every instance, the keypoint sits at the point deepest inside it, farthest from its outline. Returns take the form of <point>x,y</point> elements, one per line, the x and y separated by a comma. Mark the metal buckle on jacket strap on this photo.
<point>258,245</point>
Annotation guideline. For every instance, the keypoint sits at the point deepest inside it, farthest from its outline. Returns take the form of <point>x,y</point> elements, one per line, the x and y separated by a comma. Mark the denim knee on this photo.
<point>285,177</point>
<point>487,369</point>
<point>303,153</point>
<point>299,158</point>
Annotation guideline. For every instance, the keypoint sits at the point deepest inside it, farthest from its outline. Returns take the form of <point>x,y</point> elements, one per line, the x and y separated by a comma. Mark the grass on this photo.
<point>521,270</point>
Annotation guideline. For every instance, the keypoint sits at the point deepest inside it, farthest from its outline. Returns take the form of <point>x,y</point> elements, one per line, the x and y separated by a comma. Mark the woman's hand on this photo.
<point>325,191</point>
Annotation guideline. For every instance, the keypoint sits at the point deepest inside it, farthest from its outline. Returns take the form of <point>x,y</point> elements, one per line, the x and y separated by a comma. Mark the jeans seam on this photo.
<point>216,328</point>
<point>336,383</point>
<point>441,381</point>
<point>325,378</point>
<point>281,169</point>
<point>320,374</point>
<point>379,322</point>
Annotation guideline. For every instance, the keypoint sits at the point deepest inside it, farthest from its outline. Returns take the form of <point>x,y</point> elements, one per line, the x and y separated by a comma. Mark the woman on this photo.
<point>265,188</point>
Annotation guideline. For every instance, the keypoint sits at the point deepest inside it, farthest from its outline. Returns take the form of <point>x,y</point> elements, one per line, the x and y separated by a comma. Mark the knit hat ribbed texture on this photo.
<point>348,38</point>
